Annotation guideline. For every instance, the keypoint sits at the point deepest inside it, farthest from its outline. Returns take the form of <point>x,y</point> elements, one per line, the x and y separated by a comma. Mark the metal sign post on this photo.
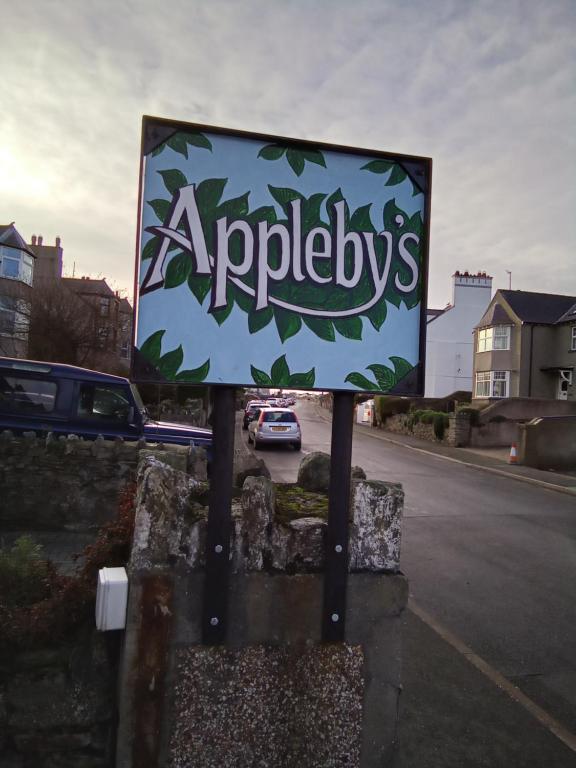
<point>215,608</point>
<point>336,558</point>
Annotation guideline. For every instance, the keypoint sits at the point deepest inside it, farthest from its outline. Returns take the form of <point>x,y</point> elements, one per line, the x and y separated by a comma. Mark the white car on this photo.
<point>275,425</point>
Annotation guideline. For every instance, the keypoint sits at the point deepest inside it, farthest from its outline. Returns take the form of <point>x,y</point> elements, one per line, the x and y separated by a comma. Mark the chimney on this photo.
<point>40,238</point>
<point>33,239</point>
<point>58,242</point>
<point>481,284</point>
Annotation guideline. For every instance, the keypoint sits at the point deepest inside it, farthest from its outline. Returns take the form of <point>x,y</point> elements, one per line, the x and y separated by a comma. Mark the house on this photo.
<point>449,335</point>
<point>16,279</point>
<point>113,320</point>
<point>33,294</point>
<point>525,346</point>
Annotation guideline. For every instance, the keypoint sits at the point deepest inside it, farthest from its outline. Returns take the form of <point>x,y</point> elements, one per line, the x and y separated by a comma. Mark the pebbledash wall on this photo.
<point>274,694</point>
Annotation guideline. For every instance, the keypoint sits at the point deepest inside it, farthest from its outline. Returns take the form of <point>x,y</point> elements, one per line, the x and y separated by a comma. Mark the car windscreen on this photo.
<point>286,417</point>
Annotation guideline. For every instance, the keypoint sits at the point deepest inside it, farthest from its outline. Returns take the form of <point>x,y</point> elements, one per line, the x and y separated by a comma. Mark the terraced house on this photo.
<point>525,346</point>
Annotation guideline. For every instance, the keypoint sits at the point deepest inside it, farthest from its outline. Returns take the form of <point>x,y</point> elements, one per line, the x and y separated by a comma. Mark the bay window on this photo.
<point>492,384</point>
<point>496,337</point>
<point>16,264</point>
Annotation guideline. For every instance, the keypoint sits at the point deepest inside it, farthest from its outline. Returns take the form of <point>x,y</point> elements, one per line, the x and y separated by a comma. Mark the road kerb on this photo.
<point>481,467</point>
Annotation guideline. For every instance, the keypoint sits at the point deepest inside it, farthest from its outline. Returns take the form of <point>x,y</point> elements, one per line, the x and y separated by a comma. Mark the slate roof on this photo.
<point>10,236</point>
<point>542,308</point>
<point>88,285</point>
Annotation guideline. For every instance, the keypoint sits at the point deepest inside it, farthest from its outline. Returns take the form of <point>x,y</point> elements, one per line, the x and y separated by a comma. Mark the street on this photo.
<point>491,563</point>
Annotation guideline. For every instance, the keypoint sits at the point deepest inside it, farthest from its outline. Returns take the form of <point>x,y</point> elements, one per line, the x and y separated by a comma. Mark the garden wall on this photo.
<point>274,694</point>
<point>68,483</point>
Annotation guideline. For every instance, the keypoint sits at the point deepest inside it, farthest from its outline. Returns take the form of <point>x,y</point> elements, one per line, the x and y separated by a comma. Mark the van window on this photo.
<point>19,395</point>
<point>103,403</point>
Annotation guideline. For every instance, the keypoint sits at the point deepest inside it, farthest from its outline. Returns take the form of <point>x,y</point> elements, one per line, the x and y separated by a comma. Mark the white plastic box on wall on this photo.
<point>111,599</point>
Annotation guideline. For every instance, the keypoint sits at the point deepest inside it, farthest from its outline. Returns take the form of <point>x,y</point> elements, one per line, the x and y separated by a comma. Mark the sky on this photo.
<point>485,88</point>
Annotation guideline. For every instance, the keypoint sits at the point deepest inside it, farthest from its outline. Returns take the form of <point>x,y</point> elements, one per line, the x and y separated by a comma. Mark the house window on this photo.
<point>14,317</point>
<point>497,337</point>
<point>16,264</point>
<point>573,345</point>
<point>125,350</point>
<point>492,384</point>
<point>104,307</point>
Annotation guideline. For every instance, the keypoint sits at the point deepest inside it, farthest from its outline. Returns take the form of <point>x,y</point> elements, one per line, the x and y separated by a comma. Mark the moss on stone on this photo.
<point>293,502</point>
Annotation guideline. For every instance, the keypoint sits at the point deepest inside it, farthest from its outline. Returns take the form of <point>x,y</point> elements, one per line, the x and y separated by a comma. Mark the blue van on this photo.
<point>65,399</point>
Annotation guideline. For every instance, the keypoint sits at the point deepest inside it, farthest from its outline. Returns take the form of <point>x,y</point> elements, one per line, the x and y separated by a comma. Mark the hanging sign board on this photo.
<point>265,261</point>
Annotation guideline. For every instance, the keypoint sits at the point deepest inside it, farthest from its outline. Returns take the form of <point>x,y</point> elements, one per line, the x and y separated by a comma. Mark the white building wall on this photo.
<point>449,338</point>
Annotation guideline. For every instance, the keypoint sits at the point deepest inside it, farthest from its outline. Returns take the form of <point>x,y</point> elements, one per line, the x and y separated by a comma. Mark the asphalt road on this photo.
<point>491,562</point>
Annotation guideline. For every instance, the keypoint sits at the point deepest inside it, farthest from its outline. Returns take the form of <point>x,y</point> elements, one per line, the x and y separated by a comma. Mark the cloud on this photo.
<point>484,88</point>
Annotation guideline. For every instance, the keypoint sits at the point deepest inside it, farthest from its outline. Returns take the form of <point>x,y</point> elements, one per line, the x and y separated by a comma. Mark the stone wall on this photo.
<point>273,694</point>
<point>58,704</point>
<point>400,425</point>
<point>68,483</point>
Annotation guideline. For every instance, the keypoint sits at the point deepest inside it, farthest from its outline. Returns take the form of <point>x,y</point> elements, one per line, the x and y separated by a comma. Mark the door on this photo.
<point>564,381</point>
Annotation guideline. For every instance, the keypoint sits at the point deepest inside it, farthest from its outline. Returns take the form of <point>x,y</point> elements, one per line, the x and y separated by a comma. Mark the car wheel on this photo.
<point>257,446</point>
<point>297,446</point>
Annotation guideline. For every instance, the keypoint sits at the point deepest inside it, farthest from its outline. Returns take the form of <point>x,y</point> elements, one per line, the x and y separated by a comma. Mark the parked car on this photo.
<point>65,399</point>
<point>252,410</point>
<point>275,425</point>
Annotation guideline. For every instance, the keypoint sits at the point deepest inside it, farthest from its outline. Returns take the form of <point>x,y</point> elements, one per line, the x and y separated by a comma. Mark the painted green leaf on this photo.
<point>200,286</point>
<point>264,213</point>
<point>209,193</point>
<point>280,373</point>
<point>173,180</point>
<point>295,161</point>
<point>314,156</point>
<point>361,382</point>
<point>220,315</point>
<point>158,150</point>
<point>321,326</point>
<point>401,367</point>
<point>195,374</point>
<point>384,376</point>
<point>152,347</point>
<point>303,379</point>
<point>334,198</point>
<point>260,319</point>
<point>244,301</point>
<point>271,152</point>
<point>390,213</point>
<point>415,224</point>
<point>287,323</point>
<point>377,166</point>
<point>398,175</point>
<point>177,270</point>
<point>170,362</point>
<point>260,378</point>
<point>198,140</point>
<point>150,248</point>
<point>160,208</point>
<point>178,144</point>
<point>360,220</point>
<point>377,314</point>
<point>350,327</point>
<point>284,196</point>
<point>311,211</point>
<point>234,208</point>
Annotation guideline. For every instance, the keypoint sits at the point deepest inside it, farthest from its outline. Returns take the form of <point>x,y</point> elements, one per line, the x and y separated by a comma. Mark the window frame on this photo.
<point>23,260</point>
<point>493,379</point>
<point>486,338</point>
<point>573,344</point>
